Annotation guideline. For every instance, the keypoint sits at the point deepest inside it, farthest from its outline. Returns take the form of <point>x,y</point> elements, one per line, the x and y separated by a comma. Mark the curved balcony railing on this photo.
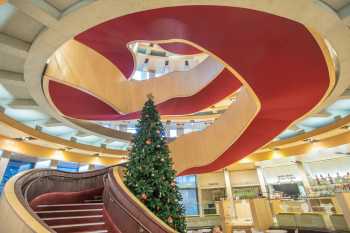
<point>124,211</point>
<point>130,209</point>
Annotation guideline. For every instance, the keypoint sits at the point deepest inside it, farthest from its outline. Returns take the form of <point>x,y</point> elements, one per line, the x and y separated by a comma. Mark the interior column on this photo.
<point>262,182</point>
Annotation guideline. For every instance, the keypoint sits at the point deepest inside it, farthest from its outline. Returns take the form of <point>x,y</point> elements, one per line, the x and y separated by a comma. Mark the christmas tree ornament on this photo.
<point>144,196</point>
<point>170,220</point>
<point>148,141</point>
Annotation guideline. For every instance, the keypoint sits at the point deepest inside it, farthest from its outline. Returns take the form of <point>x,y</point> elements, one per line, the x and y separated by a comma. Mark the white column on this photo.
<point>123,127</point>
<point>167,129</point>
<point>262,182</point>
<point>180,130</point>
<point>92,167</point>
<point>151,74</point>
<point>228,184</point>
<point>54,164</point>
<point>304,176</point>
<point>229,194</point>
<point>3,165</point>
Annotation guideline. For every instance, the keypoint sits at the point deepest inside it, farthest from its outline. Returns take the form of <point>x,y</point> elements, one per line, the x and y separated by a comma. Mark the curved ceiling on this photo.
<point>280,60</point>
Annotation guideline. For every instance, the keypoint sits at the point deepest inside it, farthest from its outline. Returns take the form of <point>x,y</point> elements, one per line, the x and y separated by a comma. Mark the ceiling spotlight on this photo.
<point>311,140</point>
<point>345,127</point>
<point>65,148</point>
<point>29,138</point>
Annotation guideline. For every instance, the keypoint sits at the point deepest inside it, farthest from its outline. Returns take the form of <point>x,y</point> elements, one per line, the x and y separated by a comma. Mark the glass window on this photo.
<point>189,200</point>
<point>14,167</point>
<point>188,189</point>
<point>67,166</point>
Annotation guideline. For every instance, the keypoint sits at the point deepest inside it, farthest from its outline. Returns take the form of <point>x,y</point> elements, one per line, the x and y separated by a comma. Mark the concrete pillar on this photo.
<point>123,127</point>
<point>229,195</point>
<point>92,167</point>
<point>200,200</point>
<point>167,129</point>
<point>304,177</point>
<point>180,129</point>
<point>54,164</point>
<point>228,184</point>
<point>151,74</point>
<point>3,165</point>
<point>262,181</point>
<point>343,200</point>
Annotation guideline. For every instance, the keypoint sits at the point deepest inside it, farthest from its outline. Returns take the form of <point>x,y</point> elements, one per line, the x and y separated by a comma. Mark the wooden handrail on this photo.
<point>140,218</point>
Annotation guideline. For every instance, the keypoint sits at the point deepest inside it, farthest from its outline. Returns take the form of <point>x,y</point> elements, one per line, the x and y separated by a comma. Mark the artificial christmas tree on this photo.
<point>150,175</point>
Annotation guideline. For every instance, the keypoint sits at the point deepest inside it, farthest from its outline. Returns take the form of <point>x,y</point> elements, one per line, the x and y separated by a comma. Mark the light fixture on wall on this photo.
<point>276,153</point>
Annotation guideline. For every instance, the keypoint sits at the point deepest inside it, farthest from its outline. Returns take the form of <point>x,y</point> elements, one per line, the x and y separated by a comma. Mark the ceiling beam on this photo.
<point>39,10</point>
<point>323,114</point>
<point>52,122</point>
<point>12,78</point>
<point>23,104</point>
<point>13,46</point>
<point>295,128</point>
<point>109,141</point>
<point>345,95</point>
<point>82,134</point>
<point>344,14</point>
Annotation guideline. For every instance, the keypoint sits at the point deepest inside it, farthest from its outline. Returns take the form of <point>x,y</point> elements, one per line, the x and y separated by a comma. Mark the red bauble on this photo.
<point>144,196</point>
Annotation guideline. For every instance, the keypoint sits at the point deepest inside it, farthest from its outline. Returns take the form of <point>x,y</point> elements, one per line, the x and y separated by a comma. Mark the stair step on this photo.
<point>73,220</point>
<point>68,213</point>
<point>76,206</point>
<point>76,215</point>
<point>73,217</point>
<point>93,201</point>
<point>73,204</point>
<point>98,231</point>
<point>78,225</point>
<point>65,211</point>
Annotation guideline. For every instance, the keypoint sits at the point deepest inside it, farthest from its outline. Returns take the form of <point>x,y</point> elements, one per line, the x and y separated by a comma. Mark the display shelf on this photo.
<point>245,192</point>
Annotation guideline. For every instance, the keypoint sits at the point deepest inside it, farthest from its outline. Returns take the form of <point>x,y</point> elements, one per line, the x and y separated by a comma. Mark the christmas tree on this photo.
<point>150,174</point>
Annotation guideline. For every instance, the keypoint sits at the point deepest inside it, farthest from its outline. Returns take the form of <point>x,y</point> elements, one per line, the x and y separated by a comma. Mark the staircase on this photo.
<point>80,216</point>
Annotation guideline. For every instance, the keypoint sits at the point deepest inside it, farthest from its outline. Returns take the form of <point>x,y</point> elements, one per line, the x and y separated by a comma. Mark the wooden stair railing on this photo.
<point>62,202</point>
